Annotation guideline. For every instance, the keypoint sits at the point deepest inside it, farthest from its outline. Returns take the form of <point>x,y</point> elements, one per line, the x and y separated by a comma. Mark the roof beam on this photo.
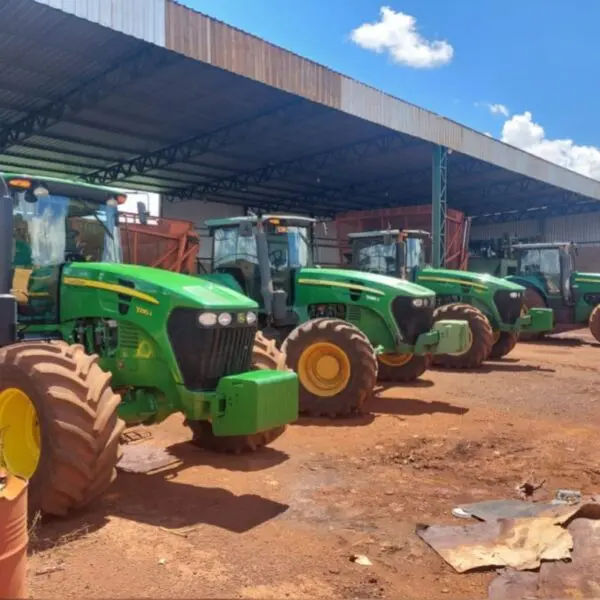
<point>181,152</point>
<point>380,190</point>
<point>306,164</point>
<point>121,73</point>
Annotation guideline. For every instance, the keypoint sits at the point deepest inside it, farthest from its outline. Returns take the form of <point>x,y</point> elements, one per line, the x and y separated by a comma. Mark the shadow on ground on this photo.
<point>411,407</point>
<point>162,500</point>
<point>499,366</point>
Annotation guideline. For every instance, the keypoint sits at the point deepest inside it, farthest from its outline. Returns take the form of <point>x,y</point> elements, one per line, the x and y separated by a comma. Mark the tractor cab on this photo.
<point>54,223</point>
<point>548,267</point>
<point>393,252</point>
<point>263,255</point>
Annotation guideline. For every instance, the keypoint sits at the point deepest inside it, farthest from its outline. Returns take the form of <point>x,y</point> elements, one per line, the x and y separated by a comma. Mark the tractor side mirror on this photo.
<point>245,229</point>
<point>142,213</point>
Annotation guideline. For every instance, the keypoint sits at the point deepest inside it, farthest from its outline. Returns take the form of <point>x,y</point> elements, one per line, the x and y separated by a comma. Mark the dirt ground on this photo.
<point>285,522</point>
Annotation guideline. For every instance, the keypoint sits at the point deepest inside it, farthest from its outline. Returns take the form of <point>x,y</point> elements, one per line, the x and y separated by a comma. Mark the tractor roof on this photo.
<point>382,232</point>
<point>288,219</point>
<point>59,181</point>
<point>542,245</point>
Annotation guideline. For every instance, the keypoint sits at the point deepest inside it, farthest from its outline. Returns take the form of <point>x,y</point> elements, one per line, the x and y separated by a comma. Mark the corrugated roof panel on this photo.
<point>213,42</point>
<point>142,19</point>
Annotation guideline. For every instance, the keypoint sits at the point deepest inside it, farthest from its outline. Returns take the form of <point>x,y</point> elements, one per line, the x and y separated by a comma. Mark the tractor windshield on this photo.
<point>543,263</point>
<point>56,229</point>
<point>375,256</point>
<point>415,253</point>
<point>289,247</point>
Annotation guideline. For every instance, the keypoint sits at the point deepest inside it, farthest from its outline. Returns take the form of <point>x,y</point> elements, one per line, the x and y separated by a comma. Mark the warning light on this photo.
<point>281,229</point>
<point>274,221</point>
<point>23,184</point>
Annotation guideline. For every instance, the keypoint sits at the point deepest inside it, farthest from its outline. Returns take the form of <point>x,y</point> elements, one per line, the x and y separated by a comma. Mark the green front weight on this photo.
<point>446,337</point>
<point>536,320</point>
<point>255,401</point>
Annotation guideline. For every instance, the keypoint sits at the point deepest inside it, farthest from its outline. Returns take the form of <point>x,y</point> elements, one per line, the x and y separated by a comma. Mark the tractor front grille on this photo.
<point>205,354</point>
<point>413,321</point>
<point>508,308</point>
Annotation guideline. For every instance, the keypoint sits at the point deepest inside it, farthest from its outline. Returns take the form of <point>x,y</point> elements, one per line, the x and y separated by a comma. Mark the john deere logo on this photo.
<point>241,318</point>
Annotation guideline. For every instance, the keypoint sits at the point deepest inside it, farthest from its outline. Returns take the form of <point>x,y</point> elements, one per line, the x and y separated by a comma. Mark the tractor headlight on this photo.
<point>251,318</point>
<point>514,294</point>
<point>418,302</point>
<point>224,319</point>
<point>207,319</point>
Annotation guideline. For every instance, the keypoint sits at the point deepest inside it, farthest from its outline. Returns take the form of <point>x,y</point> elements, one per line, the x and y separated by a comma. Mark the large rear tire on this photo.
<point>594,323</point>
<point>532,299</point>
<point>399,368</point>
<point>58,413</point>
<point>504,344</point>
<point>265,356</point>
<point>336,366</point>
<point>481,337</point>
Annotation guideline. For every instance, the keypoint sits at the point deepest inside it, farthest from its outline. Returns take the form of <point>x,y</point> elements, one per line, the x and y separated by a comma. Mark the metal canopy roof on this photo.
<point>78,99</point>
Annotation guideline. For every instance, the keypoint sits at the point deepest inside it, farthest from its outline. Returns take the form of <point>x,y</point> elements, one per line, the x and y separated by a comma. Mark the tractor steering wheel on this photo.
<point>277,258</point>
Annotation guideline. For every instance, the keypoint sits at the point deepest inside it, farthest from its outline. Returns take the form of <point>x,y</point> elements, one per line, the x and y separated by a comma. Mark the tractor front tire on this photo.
<point>532,299</point>
<point>594,323</point>
<point>481,337</point>
<point>402,372</point>
<point>265,356</point>
<point>58,406</point>
<point>504,345</point>
<point>336,366</point>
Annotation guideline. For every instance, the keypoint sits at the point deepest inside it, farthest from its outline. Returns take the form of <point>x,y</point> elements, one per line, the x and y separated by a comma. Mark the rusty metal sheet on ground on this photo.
<point>514,585</point>
<point>145,459</point>
<point>493,510</point>
<point>579,578</point>
<point>517,543</point>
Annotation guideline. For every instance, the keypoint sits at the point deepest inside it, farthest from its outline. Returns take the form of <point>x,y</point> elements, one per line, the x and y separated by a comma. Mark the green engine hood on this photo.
<point>381,283</point>
<point>453,276</point>
<point>588,277</point>
<point>192,291</point>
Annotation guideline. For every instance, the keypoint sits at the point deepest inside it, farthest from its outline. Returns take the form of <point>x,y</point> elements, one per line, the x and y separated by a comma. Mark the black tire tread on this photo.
<point>364,365</point>
<point>505,344</point>
<point>481,329</point>
<point>77,413</point>
<point>408,372</point>
<point>594,322</point>
<point>265,356</point>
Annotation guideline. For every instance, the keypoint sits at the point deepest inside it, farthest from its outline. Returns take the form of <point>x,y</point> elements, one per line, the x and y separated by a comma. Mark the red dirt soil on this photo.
<point>285,522</point>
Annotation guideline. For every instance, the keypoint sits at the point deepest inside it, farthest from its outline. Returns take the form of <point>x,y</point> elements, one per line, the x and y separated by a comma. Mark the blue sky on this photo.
<point>536,56</point>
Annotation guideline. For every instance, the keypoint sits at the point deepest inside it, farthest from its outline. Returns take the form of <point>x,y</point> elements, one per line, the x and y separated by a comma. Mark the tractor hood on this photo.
<point>587,278</point>
<point>431,275</point>
<point>189,290</point>
<point>348,278</point>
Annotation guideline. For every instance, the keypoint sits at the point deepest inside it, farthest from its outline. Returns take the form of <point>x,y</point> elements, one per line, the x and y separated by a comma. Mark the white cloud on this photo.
<point>495,109</point>
<point>498,109</point>
<point>521,131</point>
<point>396,33</point>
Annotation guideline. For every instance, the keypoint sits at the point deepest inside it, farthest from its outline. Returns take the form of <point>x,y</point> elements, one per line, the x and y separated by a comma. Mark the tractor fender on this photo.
<point>534,285</point>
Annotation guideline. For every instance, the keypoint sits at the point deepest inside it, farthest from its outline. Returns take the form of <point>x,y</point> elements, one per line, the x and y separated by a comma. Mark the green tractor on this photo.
<point>491,306</point>
<point>547,271</point>
<point>102,345</point>
<point>338,329</point>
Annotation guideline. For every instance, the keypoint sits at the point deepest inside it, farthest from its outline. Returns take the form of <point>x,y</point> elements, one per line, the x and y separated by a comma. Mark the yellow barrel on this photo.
<point>13,538</point>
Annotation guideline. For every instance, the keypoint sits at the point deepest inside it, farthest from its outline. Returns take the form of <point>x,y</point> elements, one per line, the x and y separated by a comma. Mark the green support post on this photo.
<point>438,205</point>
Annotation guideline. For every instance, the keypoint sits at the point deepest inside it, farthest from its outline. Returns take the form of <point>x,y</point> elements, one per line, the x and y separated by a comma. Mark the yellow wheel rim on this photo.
<point>324,369</point>
<point>469,344</point>
<point>395,360</point>
<point>496,336</point>
<point>19,433</point>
